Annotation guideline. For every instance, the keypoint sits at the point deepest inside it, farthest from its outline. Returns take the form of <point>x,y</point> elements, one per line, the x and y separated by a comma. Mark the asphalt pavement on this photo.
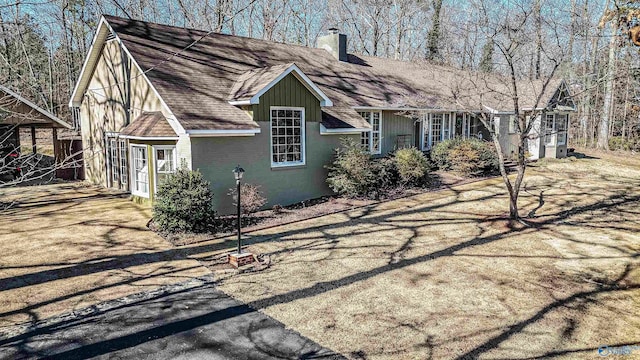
<point>193,322</point>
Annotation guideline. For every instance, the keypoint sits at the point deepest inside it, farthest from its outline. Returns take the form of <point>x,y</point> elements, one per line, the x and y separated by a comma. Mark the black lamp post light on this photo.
<point>238,259</point>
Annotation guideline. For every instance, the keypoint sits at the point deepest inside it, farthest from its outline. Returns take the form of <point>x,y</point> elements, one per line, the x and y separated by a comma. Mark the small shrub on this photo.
<point>277,209</point>
<point>469,157</point>
<point>412,165</point>
<point>440,153</point>
<point>386,175</point>
<point>183,203</point>
<point>353,172</point>
<point>620,143</point>
<point>251,199</point>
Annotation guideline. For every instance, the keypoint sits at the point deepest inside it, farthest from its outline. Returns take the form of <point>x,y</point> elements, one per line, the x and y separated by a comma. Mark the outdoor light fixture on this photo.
<point>237,173</point>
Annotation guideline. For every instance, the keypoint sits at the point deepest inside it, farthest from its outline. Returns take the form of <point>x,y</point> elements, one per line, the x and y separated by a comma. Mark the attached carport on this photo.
<point>19,114</point>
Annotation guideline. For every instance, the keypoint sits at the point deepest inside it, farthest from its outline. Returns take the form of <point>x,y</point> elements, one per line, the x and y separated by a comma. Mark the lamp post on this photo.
<point>237,173</point>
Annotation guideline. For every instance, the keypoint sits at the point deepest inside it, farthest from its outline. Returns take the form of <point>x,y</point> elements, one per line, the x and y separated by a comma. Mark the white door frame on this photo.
<point>132,165</point>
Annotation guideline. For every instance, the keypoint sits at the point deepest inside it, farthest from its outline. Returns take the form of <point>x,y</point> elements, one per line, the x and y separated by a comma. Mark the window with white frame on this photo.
<point>124,178</point>
<point>446,126</point>
<point>549,129</point>
<point>165,162</point>
<point>139,170</point>
<point>561,128</point>
<point>287,136</point>
<point>436,129</point>
<point>365,136</point>
<point>371,140</point>
<point>113,161</point>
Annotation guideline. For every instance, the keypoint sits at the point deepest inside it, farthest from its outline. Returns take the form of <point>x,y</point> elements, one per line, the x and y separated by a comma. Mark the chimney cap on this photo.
<point>333,30</point>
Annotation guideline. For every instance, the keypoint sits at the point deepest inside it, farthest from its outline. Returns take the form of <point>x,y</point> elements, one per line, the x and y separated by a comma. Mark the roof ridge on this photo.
<point>215,33</point>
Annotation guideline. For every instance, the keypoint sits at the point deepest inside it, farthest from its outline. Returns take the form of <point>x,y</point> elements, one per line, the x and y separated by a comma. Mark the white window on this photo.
<point>371,140</point>
<point>113,161</point>
<point>365,136</point>
<point>124,178</point>
<point>165,163</point>
<point>549,129</point>
<point>446,126</point>
<point>436,129</point>
<point>561,128</point>
<point>287,136</point>
<point>139,171</point>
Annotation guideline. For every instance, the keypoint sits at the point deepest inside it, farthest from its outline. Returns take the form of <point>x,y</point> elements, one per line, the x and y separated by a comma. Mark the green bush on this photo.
<point>352,172</point>
<point>440,153</point>
<point>469,157</point>
<point>386,174</point>
<point>628,144</point>
<point>183,203</point>
<point>412,165</point>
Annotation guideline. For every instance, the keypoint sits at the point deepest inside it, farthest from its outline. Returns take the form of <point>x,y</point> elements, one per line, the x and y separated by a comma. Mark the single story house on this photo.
<point>153,97</point>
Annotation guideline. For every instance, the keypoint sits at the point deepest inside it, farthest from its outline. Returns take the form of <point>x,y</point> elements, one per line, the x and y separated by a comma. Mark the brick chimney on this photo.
<point>335,43</point>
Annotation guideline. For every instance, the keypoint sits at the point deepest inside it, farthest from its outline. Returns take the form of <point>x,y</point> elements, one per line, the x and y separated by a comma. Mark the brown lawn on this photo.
<point>443,275</point>
<point>67,246</point>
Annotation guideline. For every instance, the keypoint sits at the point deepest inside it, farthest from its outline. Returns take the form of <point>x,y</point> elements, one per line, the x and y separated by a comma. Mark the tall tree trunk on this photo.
<point>603,131</point>
<point>538,17</point>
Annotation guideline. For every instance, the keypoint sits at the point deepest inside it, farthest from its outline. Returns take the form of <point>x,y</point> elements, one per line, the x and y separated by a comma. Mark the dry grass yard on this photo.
<point>443,275</point>
<point>67,246</point>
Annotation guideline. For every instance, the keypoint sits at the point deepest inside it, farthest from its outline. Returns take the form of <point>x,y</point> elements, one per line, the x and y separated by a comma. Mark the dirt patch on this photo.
<point>68,246</point>
<point>442,275</point>
<point>311,209</point>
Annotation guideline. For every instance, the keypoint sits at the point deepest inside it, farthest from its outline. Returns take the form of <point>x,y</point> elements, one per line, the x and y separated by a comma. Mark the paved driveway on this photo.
<point>192,322</point>
<point>68,246</point>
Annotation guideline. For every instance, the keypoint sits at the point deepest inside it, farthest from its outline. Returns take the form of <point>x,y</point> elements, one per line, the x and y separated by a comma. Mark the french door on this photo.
<point>117,169</point>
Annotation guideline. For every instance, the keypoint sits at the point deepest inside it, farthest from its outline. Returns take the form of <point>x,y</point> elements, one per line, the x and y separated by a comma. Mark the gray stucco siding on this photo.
<point>216,157</point>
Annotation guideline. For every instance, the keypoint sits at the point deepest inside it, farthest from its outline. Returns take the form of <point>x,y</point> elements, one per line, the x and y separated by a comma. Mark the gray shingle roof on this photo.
<point>197,83</point>
<point>149,124</point>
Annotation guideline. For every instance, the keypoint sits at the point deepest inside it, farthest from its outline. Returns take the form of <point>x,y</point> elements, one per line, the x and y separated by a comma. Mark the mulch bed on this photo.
<point>312,208</point>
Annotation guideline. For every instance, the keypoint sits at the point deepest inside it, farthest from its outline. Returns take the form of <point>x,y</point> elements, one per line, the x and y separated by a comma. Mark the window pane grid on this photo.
<point>286,136</point>
<point>124,178</point>
<point>370,140</point>
<point>113,150</point>
<point>141,183</point>
<point>436,129</point>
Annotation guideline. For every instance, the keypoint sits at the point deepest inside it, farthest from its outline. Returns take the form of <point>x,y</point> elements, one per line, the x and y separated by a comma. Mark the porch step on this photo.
<point>510,165</point>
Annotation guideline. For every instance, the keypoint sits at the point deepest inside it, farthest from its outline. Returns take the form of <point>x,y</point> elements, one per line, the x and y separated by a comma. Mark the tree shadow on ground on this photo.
<point>376,214</point>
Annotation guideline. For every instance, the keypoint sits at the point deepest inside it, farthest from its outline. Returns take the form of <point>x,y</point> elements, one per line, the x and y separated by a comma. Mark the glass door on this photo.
<point>139,171</point>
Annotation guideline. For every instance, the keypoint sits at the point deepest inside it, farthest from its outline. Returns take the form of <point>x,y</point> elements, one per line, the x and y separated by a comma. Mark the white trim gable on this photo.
<point>304,79</point>
<point>92,59</point>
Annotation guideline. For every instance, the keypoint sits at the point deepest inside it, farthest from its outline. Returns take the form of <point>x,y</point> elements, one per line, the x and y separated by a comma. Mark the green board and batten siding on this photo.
<point>394,125</point>
<point>288,92</point>
<point>216,157</point>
